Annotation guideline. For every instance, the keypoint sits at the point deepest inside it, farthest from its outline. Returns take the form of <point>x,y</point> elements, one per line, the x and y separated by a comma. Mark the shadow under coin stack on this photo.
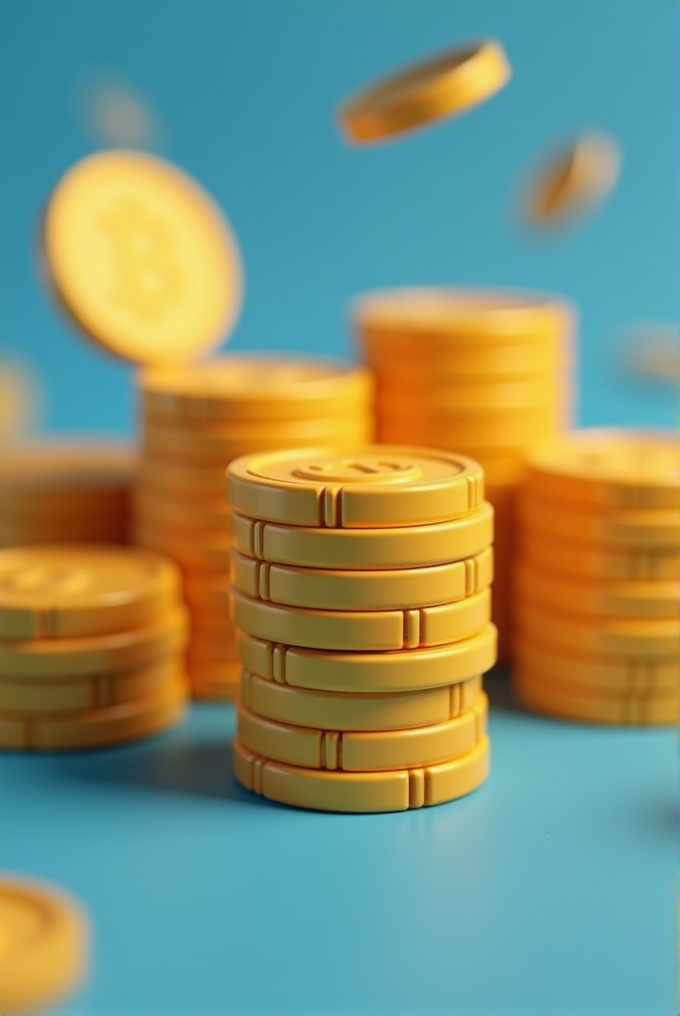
<point>91,646</point>
<point>597,590</point>
<point>195,420</point>
<point>480,372</point>
<point>65,492</point>
<point>361,596</point>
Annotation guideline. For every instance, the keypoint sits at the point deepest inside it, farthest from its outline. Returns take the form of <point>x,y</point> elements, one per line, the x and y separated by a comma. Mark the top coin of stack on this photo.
<point>597,591</point>
<point>195,420</point>
<point>65,492</point>
<point>361,594</point>
<point>480,372</point>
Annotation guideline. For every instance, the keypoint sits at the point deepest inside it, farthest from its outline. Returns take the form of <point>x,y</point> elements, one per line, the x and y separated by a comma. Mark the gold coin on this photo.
<point>466,397</point>
<point>255,388</point>
<point>634,599</point>
<point>190,553</point>
<point>398,790</point>
<point>348,711</point>
<point>33,534</point>
<point>609,469</point>
<point>375,486</point>
<point>95,655</point>
<point>440,87</point>
<point>215,682</point>
<point>364,673</point>
<point>65,592</point>
<point>329,589</point>
<point>141,258</point>
<point>631,529</point>
<point>570,703</point>
<point>596,672</point>
<point>398,361</point>
<point>485,432</point>
<point>185,480</point>
<point>593,561</point>
<point>176,513</point>
<point>408,547</point>
<point>45,945</point>
<point>572,180</point>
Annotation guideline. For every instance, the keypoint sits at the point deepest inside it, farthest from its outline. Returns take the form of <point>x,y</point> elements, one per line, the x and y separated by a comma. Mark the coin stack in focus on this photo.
<point>361,595</point>
<point>91,646</point>
<point>597,591</point>
<point>65,492</point>
<point>195,420</point>
<point>483,373</point>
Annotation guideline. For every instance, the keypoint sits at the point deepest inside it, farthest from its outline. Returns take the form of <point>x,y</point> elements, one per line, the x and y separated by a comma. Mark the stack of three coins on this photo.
<point>361,592</point>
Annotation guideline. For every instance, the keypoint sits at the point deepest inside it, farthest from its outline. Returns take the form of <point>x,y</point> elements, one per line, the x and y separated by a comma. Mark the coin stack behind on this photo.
<point>195,420</point>
<point>597,591</point>
<point>484,373</point>
<point>65,492</point>
<point>361,595</point>
<point>91,646</point>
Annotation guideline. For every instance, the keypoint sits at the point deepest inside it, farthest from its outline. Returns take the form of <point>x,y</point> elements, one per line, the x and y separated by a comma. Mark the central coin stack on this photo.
<point>361,594</point>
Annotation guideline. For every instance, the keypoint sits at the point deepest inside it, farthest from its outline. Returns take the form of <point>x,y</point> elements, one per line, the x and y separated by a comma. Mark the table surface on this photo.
<point>551,891</point>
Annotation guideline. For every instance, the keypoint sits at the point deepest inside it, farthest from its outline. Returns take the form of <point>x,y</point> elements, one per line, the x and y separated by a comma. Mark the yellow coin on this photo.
<point>64,592</point>
<point>175,513</point>
<point>600,562</point>
<point>398,361</point>
<point>184,480</point>
<point>215,682</point>
<point>596,672</point>
<point>95,655</point>
<point>44,945</point>
<point>486,432</point>
<point>362,751</point>
<point>440,87</point>
<point>630,529</point>
<point>634,599</point>
<point>609,469</point>
<point>368,711</point>
<point>572,180</point>
<point>188,551</point>
<point>398,790</point>
<point>365,673</point>
<point>408,547</point>
<point>141,258</point>
<point>570,703</point>
<point>467,397</point>
<point>96,728</point>
<point>635,639</point>
<point>375,486</point>
<point>257,389</point>
<point>401,588</point>
<point>32,533</point>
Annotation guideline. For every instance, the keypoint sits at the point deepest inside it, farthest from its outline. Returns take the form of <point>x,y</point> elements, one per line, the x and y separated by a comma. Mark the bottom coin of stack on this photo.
<point>92,644</point>
<point>597,587</point>
<point>361,595</point>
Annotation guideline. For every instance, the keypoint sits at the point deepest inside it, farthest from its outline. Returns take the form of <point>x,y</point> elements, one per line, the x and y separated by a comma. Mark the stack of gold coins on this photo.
<point>481,372</point>
<point>361,595</point>
<point>597,590</point>
<point>91,646</point>
<point>65,492</point>
<point>195,420</point>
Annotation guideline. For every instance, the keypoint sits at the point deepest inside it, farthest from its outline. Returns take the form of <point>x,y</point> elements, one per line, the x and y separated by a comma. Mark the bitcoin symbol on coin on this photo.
<point>149,277</point>
<point>41,579</point>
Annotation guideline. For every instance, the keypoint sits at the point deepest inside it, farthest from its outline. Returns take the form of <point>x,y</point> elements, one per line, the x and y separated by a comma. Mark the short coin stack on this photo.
<point>195,420</point>
<point>483,372</point>
<point>361,595</point>
<point>91,646</point>
<point>597,590</point>
<point>65,492</point>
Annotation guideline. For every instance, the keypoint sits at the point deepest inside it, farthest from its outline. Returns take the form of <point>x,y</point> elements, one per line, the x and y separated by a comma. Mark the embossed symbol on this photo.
<point>358,469</point>
<point>45,579</point>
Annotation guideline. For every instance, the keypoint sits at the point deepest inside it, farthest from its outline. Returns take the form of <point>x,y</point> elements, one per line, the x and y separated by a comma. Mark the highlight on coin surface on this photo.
<point>141,258</point>
<point>440,87</point>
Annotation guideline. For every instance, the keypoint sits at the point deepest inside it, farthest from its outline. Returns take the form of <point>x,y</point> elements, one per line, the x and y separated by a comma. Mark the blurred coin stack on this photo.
<point>195,419</point>
<point>91,646</point>
<point>597,592</point>
<point>361,595</point>
<point>65,492</point>
<point>483,373</point>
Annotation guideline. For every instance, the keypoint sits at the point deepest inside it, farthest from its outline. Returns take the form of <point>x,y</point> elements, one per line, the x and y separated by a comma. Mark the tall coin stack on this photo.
<point>91,646</point>
<point>65,492</point>
<point>195,420</point>
<point>483,372</point>
<point>597,590</point>
<point>361,595</point>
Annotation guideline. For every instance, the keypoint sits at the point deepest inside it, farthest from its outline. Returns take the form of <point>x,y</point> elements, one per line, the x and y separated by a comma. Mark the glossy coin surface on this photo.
<point>632,638</point>
<point>370,487</point>
<point>637,599</point>
<point>65,592</point>
<point>596,673</point>
<point>572,180</point>
<point>365,673</point>
<point>141,258</point>
<point>437,88</point>
<point>398,790</point>
<point>44,946</point>
<point>624,528</point>
<point>570,703</point>
<point>593,561</point>
<point>486,432</point>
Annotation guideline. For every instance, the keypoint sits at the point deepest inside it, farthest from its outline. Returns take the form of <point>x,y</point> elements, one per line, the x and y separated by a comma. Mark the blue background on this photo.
<point>553,890</point>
